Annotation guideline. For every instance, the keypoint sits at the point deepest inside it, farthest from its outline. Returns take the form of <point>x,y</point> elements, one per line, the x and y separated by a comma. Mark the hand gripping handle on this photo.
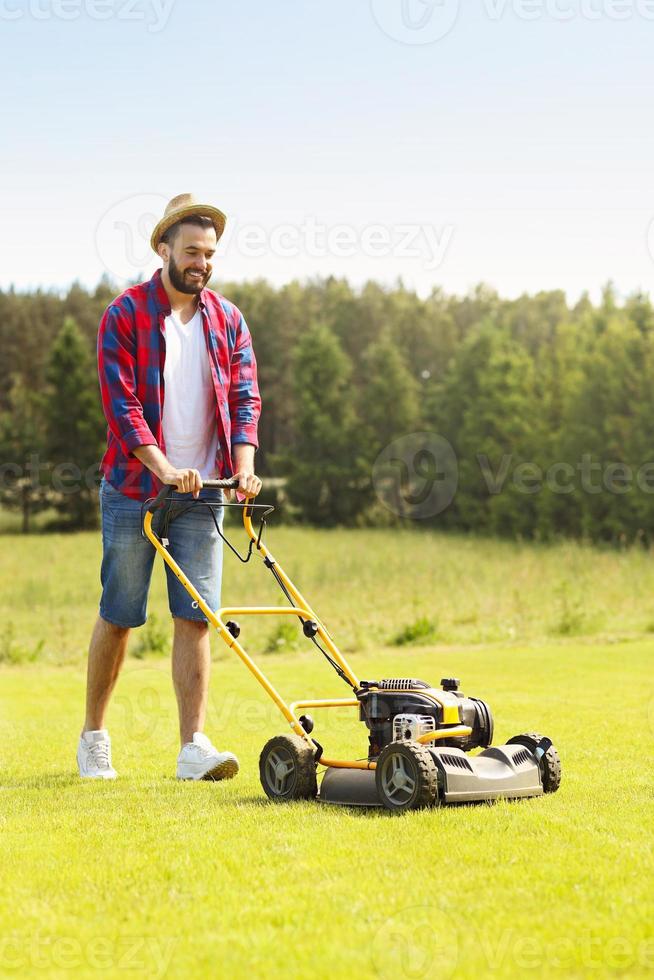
<point>229,484</point>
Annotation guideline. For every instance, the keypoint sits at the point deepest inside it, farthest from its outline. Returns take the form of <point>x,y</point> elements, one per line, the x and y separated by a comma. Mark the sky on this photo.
<point>438,142</point>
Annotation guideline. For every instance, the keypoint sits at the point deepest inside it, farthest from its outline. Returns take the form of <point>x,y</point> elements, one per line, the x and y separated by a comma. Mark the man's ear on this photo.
<point>163,251</point>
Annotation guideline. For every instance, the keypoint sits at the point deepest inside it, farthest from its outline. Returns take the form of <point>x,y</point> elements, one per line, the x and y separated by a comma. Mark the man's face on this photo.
<point>189,258</point>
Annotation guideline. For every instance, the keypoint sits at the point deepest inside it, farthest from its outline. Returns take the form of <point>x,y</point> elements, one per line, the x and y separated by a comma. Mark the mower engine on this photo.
<point>397,709</point>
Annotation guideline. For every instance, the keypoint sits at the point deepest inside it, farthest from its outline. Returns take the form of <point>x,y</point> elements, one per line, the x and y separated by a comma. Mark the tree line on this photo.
<point>528,417</point>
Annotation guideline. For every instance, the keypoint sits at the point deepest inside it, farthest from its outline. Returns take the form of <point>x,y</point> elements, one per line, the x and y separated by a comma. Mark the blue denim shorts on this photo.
<point>128,557</point>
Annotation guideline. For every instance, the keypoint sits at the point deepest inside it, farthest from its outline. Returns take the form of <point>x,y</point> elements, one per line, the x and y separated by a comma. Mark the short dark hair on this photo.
<point>171,233</point>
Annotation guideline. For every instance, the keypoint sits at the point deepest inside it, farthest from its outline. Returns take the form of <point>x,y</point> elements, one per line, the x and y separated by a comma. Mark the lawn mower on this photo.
<point>419,736</point>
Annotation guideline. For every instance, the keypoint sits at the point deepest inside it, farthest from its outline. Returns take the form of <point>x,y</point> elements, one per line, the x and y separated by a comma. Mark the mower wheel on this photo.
<point>406,777</point>
<point>287,769</point>
<point>550,764</point>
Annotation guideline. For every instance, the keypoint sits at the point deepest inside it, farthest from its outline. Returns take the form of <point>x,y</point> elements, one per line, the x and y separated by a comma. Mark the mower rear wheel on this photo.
<point>287,769</point>
<point>550,763</point>
<point>406,777</point>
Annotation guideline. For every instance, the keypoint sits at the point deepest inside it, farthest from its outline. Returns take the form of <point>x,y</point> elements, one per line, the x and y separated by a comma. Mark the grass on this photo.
<point>199,875</point>
<point>148,877</point>
<point>369,586</point>
<point>422,631</point>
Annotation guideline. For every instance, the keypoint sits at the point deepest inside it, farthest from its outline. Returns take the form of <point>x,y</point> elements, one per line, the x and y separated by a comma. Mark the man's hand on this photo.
<point>185,481</point>
<point>190,481</point>
<point>248,483</point>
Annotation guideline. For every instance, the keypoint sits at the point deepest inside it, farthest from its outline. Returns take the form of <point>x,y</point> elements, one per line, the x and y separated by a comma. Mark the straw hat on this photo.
<point>181,207</point>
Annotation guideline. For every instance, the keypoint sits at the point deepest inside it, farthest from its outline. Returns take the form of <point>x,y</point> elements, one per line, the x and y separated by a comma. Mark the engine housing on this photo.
<point>383,703</point>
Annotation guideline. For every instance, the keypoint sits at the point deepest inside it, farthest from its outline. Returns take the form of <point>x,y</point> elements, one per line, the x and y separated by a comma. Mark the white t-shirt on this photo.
<point>189,413</point>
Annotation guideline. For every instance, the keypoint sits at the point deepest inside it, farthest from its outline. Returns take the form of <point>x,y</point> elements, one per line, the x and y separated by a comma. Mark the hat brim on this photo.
<point>204,210</point>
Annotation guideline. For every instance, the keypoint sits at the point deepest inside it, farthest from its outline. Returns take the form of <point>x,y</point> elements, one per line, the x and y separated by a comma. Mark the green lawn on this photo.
<point>148,877</point>
<point>192,878</point>
<point>367,585</point>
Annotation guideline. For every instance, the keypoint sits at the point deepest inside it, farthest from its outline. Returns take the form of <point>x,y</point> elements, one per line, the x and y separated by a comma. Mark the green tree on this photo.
<point>389,409</point>
<point>389,404</point>
<point>325,466</point>
<point>600,434</point>
<point>22,438</point>
<point>486,409</point>
<point>75,425</point>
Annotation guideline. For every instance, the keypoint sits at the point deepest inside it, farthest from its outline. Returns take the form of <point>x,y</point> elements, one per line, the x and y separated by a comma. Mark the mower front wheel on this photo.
<point>406,777</point>
<point>287,769</point>
<point>550,763</point>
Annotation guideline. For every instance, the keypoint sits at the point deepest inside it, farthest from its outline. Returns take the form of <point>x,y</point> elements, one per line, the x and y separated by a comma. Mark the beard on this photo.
<point>182,282</point>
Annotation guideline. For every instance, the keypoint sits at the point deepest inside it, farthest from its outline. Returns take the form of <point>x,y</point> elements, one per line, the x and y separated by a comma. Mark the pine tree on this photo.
<point>75,425</point>
<point>325,466</point>
<point>389,402</point>
<point>22,432</point>
<point>486,408</point>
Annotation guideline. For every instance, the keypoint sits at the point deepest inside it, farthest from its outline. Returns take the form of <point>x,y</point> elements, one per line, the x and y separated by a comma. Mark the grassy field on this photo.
<point>369,586</point>
<point>148,877</point>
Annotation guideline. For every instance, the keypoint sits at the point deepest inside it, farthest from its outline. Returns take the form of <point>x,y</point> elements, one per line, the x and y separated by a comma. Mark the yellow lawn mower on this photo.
<point>419,736</point>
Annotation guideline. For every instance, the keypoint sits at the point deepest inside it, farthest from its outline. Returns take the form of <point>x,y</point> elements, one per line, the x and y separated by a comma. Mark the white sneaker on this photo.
<point>200,759</point>
<point>94,755</point>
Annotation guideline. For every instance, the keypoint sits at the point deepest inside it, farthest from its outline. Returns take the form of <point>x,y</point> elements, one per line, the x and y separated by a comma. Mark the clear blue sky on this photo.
<point>510,150</point>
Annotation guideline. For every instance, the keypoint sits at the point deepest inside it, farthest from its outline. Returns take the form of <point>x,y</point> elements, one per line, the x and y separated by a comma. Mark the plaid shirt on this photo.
<point>131,356</point>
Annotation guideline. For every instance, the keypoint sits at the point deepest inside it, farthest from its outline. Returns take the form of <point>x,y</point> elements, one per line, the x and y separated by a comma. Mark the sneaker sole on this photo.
<point>224,770</point>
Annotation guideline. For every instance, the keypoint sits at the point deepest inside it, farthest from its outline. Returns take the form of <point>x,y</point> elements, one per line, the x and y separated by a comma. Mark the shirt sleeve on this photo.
<point>244,398</point>
<point>117,372</point>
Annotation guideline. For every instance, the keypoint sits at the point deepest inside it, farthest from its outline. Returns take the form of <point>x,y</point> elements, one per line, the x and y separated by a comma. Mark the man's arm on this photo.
<point>244,408</point>
<point>186,481</point>
<point>243,460</point>
<point>117,373</point>
<point>122,408</point>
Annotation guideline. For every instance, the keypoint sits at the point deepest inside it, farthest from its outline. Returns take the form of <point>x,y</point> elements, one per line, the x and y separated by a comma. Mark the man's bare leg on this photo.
<point>106,655</point>
<point>191,668</point>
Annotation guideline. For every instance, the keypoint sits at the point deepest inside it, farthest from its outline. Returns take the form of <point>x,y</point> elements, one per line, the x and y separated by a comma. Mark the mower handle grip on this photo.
<point>230,483</point>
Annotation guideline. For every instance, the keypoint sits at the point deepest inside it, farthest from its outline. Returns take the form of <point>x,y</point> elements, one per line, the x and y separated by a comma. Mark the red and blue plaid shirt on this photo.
<point>131,356</point>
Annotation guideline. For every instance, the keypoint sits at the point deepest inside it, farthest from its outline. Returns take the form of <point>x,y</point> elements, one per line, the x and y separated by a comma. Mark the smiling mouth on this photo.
<point>196,275</point>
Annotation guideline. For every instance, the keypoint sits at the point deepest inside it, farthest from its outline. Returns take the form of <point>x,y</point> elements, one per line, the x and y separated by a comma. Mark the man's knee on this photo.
<point>113,629</point>
<point>198,626</point>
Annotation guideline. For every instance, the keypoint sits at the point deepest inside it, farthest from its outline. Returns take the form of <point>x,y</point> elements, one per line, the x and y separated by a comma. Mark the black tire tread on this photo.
<point>550,765</point>
<point>427,773</point>
<point>306,783</point>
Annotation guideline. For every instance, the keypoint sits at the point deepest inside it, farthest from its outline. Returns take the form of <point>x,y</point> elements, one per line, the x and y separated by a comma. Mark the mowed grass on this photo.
<point>148,877</point>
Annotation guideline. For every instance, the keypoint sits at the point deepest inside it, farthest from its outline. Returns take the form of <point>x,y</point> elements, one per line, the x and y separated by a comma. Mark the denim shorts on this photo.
<point>128,557</point>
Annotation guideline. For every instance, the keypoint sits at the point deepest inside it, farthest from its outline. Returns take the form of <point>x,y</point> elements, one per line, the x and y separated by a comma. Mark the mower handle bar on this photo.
<point>229,484</point>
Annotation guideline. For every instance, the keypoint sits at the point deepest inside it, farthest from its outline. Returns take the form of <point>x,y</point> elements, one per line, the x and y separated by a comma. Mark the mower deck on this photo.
<point>500,772</point>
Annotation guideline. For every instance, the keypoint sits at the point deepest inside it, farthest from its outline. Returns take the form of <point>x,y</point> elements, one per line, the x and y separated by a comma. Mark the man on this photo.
<point>178,378</point>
